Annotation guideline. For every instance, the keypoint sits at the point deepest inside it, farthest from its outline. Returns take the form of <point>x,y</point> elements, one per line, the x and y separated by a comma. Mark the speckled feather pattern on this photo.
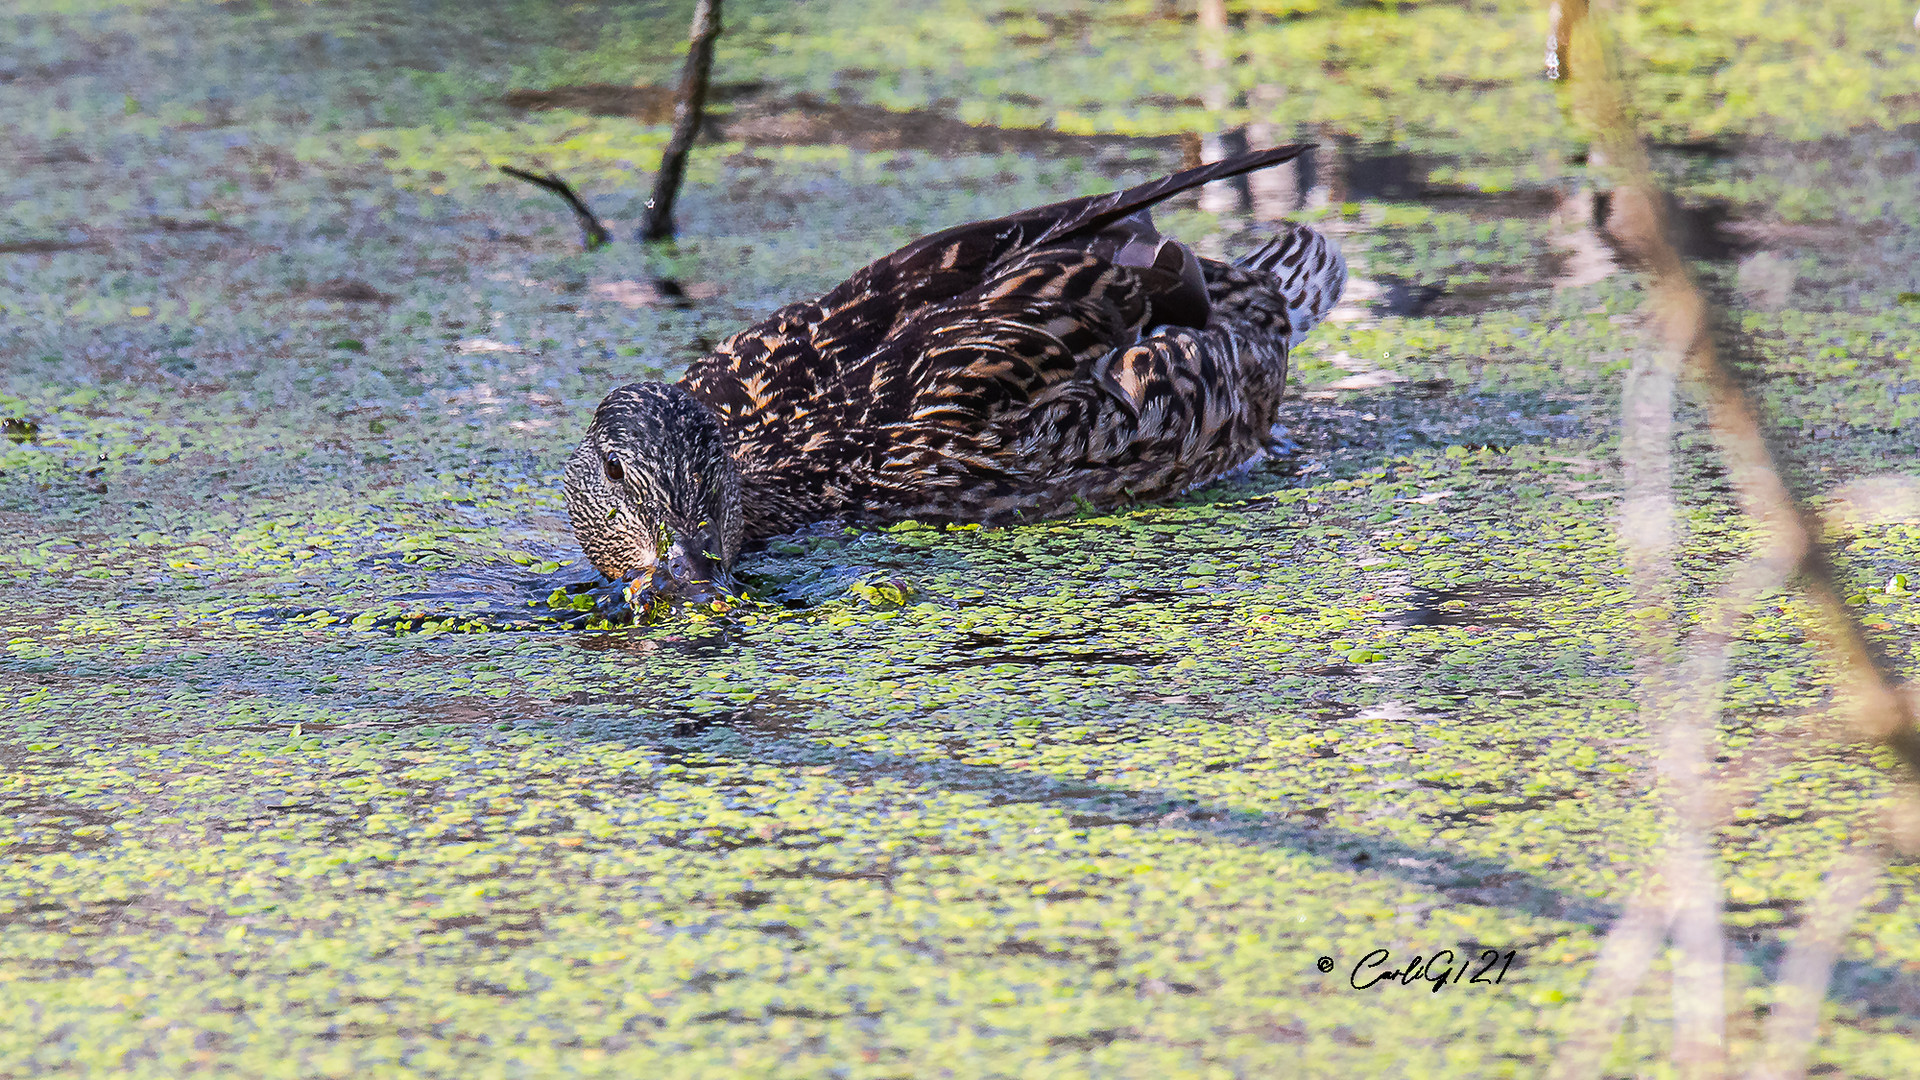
<point>1014,368</point>
<point>678,476</point>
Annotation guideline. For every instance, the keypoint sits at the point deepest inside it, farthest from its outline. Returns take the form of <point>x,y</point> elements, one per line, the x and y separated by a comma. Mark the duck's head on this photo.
<point>653,493</point>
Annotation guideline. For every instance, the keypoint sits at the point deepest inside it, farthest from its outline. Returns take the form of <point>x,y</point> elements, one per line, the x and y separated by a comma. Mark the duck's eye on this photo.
<point>614,469</point>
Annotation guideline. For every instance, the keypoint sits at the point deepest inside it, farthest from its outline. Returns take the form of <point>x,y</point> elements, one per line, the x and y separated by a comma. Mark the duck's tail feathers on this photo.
<point>1311,271</point>
<point>1097,213</point>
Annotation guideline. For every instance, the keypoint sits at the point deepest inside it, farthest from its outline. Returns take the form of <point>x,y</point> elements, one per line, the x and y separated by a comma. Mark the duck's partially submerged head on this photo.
<point>653,493</point>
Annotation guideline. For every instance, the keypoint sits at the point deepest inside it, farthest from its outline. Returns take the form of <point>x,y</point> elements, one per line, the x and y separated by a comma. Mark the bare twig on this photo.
<point>1885,714</point>
<point>1700,954</point>
<point>593,234</point>
<point>1689,699</point>
<point>1809,966</point>
<point>1680,893</point>
<point>1680,885</point>
<point>1625,955</point>
<point>1558,31</point>
<point>1699,995</point>
<point>688,109</point>
<point>1687,696</point>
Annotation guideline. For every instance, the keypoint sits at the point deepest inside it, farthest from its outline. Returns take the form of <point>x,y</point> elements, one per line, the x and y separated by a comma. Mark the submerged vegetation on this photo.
<point>318,761</point>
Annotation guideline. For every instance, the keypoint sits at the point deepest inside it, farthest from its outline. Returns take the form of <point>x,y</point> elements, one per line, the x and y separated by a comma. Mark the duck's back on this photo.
<point>1015,367</point>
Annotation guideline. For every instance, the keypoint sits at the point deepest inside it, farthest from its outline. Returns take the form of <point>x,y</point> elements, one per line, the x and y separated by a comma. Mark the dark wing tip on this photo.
<point>1097,213</point>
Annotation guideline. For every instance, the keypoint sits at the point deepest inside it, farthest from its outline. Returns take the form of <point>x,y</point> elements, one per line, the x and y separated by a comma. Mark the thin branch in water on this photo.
<point>688,110</point>
<point>1700,953</point>
<point>1634,941</point>
<point>1625,955</point>
<point>1808,966</point>
<point>1686,696</point>
<point>1558,32</point>
<point>1886,713</point>
<point>1793,543</point>
<point>592,234</point>
<point>1884,709</point>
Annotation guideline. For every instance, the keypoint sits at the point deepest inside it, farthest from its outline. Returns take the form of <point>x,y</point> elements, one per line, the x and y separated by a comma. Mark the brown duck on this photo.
<point>1000,371</point>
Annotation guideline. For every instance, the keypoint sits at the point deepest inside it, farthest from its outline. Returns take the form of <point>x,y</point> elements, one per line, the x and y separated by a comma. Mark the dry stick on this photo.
<point>1693,708</point>
<point>1625,954</point>
<point>1683,894</point>
<point>592,233</point>
<point>1699,978</point>
<point>1885,713</point>
<point>1680,893</point>
<point>1661,903</point>
<point>1794,531</point>
<point>1559,32</point>
<point>1689,705</point>
<point>688,108</point>
<point>1700,943</point>
<point>1636,936</point>
<point>1809,965</point>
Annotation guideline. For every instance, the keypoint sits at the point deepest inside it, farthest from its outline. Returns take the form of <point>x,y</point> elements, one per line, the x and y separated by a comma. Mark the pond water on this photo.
<point>320,760</point>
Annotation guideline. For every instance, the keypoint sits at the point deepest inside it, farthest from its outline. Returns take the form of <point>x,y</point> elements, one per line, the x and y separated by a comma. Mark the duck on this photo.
<point>1061,358</point>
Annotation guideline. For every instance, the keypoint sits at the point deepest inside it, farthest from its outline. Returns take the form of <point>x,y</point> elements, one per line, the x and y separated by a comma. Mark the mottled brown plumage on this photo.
<point>998,371</point>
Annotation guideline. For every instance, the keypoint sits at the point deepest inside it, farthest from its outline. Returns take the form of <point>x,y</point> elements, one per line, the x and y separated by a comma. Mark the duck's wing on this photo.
<point>791,358</point>
<point>1116,226</point>
<point>1030,406</point>
<point>895,379</point>
<point>836,431</point>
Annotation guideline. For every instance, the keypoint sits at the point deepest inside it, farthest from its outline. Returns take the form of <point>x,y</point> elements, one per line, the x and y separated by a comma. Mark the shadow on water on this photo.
<point>1595,233</point>
<point>1040,649</point>
<point>750,114</point>
<point>507,596</point>
<point>768,713</point>
<point>624,642</point>
<point>645,102</point>
<point>491,595</point>
<point>1461,879</point>
<point>1338,171</point>
<point>1407,299</point>
<point>782,733</point>
<point>809,587</point>
<point>1345,170</point>
<point>1472,605</point>
<point>499,595</point>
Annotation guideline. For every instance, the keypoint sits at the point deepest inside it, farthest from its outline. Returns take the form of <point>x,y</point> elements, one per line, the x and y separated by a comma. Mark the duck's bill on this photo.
<point>688,570</point>
<point>692,569</point>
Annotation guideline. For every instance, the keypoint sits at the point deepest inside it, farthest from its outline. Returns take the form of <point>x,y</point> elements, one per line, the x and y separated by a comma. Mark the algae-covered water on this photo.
<point>316,765</point>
